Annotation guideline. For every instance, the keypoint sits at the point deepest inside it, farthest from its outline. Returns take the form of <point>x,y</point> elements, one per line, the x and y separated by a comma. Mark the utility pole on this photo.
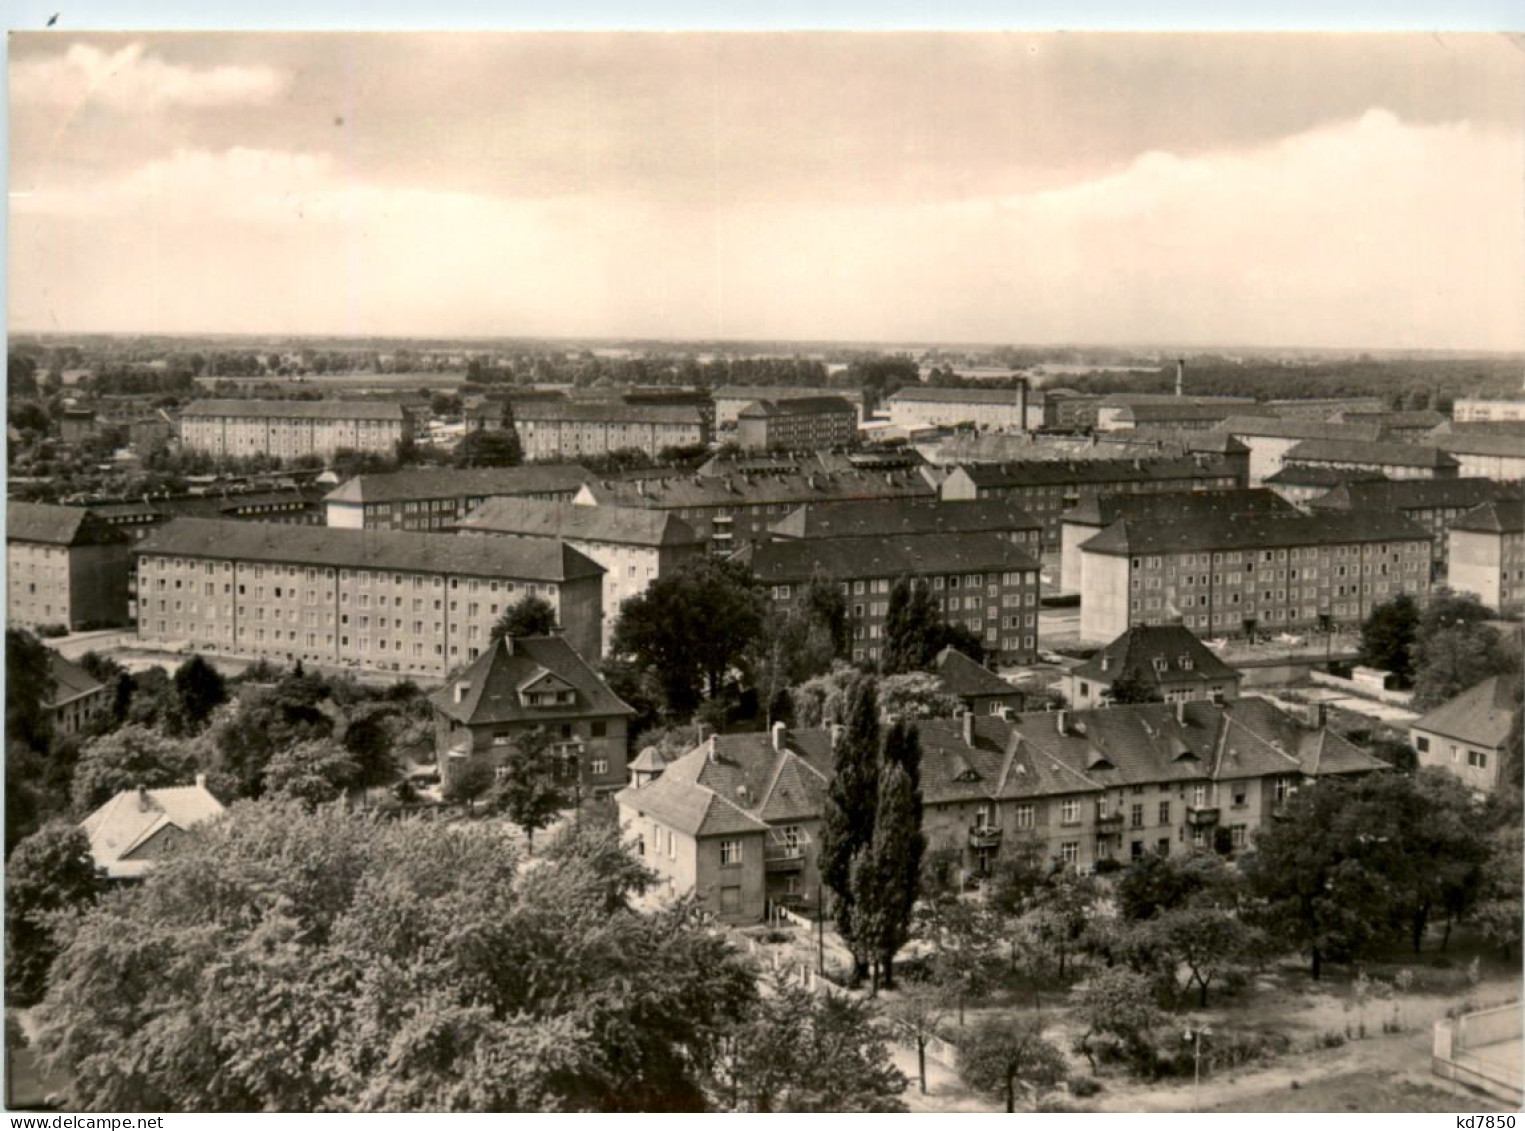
<point>820,928</point>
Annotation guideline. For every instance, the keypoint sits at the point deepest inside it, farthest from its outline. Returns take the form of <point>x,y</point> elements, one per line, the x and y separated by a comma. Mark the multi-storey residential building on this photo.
<point>799,424</point>
<point>64,566</point>
<point>428,498</point>
<point>1094,514</point>
<point>288,429</point>
<point>297,506</point>
<point>1258,573</point>
<point>1049,488</point>
<point>1324,408</point>
<point>1469,410</point>
<point>1166,658</point>
<point>533,682</point>
<point>1122,411</point>
<point>1300,484</point>
<point>1403,427</point>
<point>731,510</point>
<point>570,430</point>
<point>1487,455</point>
<point>931,518</point>
<point>1065,410</point>
<point>736,821</point>
<point>1432,503</point>
<point>1487,554</point>
<point>918,406</point>
<point>381,600</point>
<point>980,581</point>
<point>1395,461</point>
<point>1466,736</point>
<point>1269,439</point>
<point>731,399</point>
<point>635,547</point>
<point>77,698</point>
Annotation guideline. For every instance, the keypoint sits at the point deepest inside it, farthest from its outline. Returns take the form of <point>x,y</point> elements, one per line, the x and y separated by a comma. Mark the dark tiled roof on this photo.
<point>1301,475</point>
<point>452,483</point>
<point>1177,506</point>
<point>1474,444</point>
<point>1501,517</point>
<point>1481,715</point>
<point>782,393</point>
<point>1422,418</point>
<point>1045,472</point>
<point>597,412</point>
<point>1249,532</point>
<point>1291,428</point>
<point>625,525</point>
<point>495,677</point>
<point>1416,494</point>
<point>1161,413</point>
<point>58,526</point>
<point>1351,451</point>
<point>1134,654</point>
<point>767,489</point>
<point>70,681</point>
<point>962,677</point>
<point>1186,439</point>
<point>799,406</point>
<point>530,559</point>
<point>298,410</point>
<point>690,808</point>
<point>877,518</point>
<point>956,396</point>
<point>890,556</point>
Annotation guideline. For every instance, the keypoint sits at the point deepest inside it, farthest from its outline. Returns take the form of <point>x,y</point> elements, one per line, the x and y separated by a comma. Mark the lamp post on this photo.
<point>1195,1035</point>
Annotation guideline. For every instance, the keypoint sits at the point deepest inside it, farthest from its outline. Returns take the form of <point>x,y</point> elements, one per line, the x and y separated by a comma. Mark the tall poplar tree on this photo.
<point>851,800</point>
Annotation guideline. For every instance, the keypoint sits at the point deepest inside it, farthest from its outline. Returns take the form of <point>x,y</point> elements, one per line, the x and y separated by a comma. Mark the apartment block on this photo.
<point>635,547</point>
<point>1270,439</point>
<point>1300,484</point>
<point>933,518</point>
<point>390,601</point>
<point>428,498</point>
<point>981,581</point>
<point>729,400</point>
<point>1487,554</point>
<point>1486,455</point>
<point>799,424</point>
<point>1049,488</point>
<point>920,406</point>
<point>1470,410</point>
<point>1258,573</point>
<point>569,430</point>
<point>1122,412</point>
<point>288,429</point>
<point>1395,461</point>
<point>64,566</point>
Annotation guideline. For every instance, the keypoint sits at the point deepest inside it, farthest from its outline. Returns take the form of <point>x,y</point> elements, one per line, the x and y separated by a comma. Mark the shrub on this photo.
<point>1083,1086</point>
<point>1056,1104</point>
<point>1107,865</point>
<point>49,631</point>
<point>1330,1039</point>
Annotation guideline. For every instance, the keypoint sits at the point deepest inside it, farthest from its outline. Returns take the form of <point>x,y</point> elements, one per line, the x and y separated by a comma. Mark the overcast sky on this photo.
<point>1283,190</point>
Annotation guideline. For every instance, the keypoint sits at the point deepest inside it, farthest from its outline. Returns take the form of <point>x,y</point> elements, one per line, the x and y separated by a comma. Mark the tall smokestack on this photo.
<point>1180,376</point>
<point>1022,405</point>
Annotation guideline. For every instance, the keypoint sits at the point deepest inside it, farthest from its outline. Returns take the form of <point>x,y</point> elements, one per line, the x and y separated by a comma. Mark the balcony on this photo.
<point>781,855</point>
<point>1201,815</point>
<point>984,836</point>
<point>1108,823</point>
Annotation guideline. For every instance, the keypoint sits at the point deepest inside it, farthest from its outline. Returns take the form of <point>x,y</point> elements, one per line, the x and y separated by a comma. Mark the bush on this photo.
<point>1083,1086</point>
<point>1056,1104</point>
<point>1107,865</point>
<point>50,631</point>
<point>1330,1039</point>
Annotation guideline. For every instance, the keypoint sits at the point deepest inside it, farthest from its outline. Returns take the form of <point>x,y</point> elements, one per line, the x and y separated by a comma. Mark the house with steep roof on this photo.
<point>1466,736</point>
<point>77,698</point>
<point>138,826</point>
<point>1487,553</point>
<point>64,566</point>
<point>528,682</point>
<point>1166,658</point>
<point>736,820</point>
<point>979,689</point>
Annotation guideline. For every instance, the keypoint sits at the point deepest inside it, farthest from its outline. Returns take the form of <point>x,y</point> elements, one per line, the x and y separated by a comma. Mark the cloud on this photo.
<point>131,80</point>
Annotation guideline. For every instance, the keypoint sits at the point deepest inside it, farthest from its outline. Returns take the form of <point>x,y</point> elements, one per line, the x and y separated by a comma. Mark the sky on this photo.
<point>1335,191</point>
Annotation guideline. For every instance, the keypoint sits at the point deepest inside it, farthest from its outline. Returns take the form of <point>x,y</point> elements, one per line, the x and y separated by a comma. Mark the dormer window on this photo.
<point>1185,662</point>
<point>1161,664</point>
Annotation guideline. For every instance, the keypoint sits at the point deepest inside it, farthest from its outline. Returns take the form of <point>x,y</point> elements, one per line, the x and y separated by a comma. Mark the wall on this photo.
<point>711,877</point>
<point>1071,535</point>
<point>1475,564</point>
<point>1452,755</point>
<point>1104,596</point>
<point>98,583</point>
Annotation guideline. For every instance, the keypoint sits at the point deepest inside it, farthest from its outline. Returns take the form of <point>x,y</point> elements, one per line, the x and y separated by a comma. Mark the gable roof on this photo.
<point>1481,715</point>
<point>962,677</point>
<point>133,817</point>
<point>1176,506</point>
<point>70,681</point>
<point>1293,428</point>
<point>532,559</point>
<point>600,412</point>
<point>786,487</point>
<point>1311,475</point>
<point>1502,516</point>
<point>632,526</point>
<point>459,483</point>
<point>1136,651</point>
<point>874,518</point>
<point>689,808</point>
<point>798,406</point>
<point>783,392</point>
<point>1255,532</point>
<point>1417,494</point>
<point>1377,452</point>
<point>888,556</point>
<point>297,410</point>
<point>57,526</point>
<point>1470,443</point>
<point>942,395</point>
<point>494,680</point>
<point>1027,473</point>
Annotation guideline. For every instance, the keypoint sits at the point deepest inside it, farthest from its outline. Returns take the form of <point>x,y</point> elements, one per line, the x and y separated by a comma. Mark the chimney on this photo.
<point>461,688</point>
<point>1062,721</point>
<point>779,730</point>
<point>1180,375</point>
<point>1022,406</point>
<point>1181,711</point>
<point>143,801</point>
<point>201,781</point>
<point>1317,715</point>
<point>968,728</point>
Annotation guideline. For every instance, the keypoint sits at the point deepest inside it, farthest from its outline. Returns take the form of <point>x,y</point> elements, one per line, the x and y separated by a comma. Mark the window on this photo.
<point>730,853</point>
<point>1069,811</point>
<point>1236,835</point>
<point>1025,815</point>
<point>1136,817</point>
<point>1422,744</point>
<point>599,766</point>
<point>1069,851</point>
<point>1164,812</point>
<point>1477,758</point>
<point>1199,795</point>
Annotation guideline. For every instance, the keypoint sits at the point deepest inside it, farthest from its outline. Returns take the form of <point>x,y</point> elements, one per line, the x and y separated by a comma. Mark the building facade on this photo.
<point>1270,439</point>
<point>1485,455</point>
<point>799,424</point>
<point>980,581</point>
<point>1167,659</point>
<point>1395,461</point>
<point>438,498</point>
<point>1487,554</point>
<point>918,406</point>
<point>384,601</point>
<point>569,430</point>
<point>1259,573</point>
<point>1466,737</point>
<point>933,518</point>
<point>64,566</point>
<point>1470,410</point>
<point>289,429</point>
<point>729,400</point>
<point>77,700</point>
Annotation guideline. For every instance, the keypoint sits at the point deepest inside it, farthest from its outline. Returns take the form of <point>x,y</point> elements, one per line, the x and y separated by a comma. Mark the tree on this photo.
<point>489,448</point>
<point>469,781</point>
<point>847,827</point>
<point>126,759</point>
<point>1453,659</point>
<point>1446,609</point>
<point>535,784</point>
<point>910,627</point>
<point>691,628</point>
<point>1388,635</point>
<point>916,695</point>
<point>406,966</point>
<point>595,855</point>
<point>51,873</point>
<point>368,739</point>
<point>200,688</point>
<point>28,690</point>
<point>1500,908</point>
<point>803,1052</point>
<point>1154,883</point>
<point>1060,910</point>
<point>248,733</point>
<point>1008,1057</point>
<point>919,1012</point>
<point>960,934</point>
<point>1117,1008</point>
<point>531,615</point>
<point>1205,941</point>
<point>313,773</point>
<point>1132,687</point>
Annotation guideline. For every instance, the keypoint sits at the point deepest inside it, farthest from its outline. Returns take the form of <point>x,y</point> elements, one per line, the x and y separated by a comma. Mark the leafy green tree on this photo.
<point>916,695</point>
<point>406,965</point>
<point>469,781</point>
<point>1132,687</point>
<point>910,628</point>
<point>1446,609</point>
<point>51,873</point>
<point>200,688</point>
<point>489,448</point>
<point>28,690</point>
<point>822,700</point>
<point>960,936</point>
<point>851,801</point>
<point>594,854</point>
<point>1388,635</point>
<point>1153,884</point>
<point>261,723</point>
<point>800,644</point>
<point>536,783</point>
<point>127,758</point>
<point>1117,1008</point>
<point>313,773</point>
<point>1453,659</point>
<point>692,628</point>
<point>801,1052</point>
<point>531,615</point>
<point>368,738</point>
<point>919,1012</point>
<point>1206,942</point>
<point>1500,909</point>
<point>1008,1057</point>
<point>1059,911</point>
